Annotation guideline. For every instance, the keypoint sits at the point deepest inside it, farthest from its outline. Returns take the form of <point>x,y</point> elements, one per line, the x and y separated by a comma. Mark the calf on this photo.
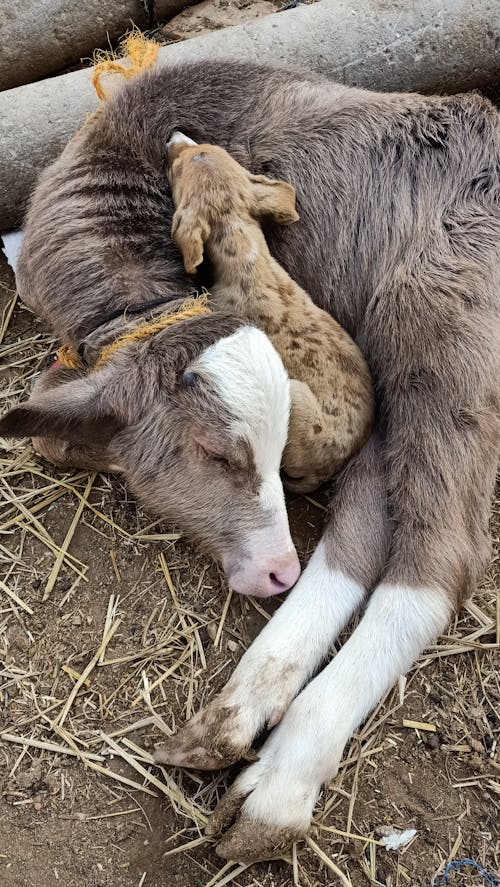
<point>219,206</point>
<point>399,237</point>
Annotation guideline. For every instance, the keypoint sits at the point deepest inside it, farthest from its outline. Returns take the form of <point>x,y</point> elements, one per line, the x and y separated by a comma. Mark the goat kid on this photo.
<point>219,205</point>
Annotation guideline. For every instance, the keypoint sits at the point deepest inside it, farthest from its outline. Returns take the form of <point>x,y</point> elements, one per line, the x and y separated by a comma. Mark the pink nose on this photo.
<point>271,575</point>
<point>283,576</point>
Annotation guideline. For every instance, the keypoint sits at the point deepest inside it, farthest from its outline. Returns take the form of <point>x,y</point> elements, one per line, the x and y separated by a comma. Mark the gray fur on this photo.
<point>399,237</point>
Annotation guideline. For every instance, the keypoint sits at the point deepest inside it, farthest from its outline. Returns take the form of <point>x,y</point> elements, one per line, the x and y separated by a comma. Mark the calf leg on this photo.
<point>440,451</point>
<point>277,794</point>
<point>299,636</point>
<point>406,612</point>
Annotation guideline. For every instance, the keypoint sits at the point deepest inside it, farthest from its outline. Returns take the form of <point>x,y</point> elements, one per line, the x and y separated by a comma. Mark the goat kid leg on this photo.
<point>271,672</point>
<point>273,799</point>
<point>299,454</point>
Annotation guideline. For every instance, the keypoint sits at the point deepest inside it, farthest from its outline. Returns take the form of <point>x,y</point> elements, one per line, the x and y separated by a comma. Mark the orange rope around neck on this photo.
<point>191,308</point>
<point>69,357</point>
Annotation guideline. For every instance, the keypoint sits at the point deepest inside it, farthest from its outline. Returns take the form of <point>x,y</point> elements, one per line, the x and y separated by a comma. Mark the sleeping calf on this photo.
<point>219,205</point>
<point>399,238</point>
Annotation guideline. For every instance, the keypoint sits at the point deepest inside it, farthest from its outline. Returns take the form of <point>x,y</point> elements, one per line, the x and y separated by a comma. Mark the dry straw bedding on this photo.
<point>113,632</point>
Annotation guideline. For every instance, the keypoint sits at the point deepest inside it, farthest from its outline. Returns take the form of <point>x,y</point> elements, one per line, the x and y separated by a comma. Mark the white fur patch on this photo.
<point>253,383</point>
<point>178,138</point>
<point>12,243</point>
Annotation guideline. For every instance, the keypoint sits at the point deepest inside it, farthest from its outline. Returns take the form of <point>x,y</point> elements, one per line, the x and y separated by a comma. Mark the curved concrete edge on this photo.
<point>38,39</point>
<point>436,45</point>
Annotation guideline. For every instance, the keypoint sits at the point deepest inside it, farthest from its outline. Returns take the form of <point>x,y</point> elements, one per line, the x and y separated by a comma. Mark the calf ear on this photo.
<point>189,234</point>
<point>275,199</point>
<point>75,412</point>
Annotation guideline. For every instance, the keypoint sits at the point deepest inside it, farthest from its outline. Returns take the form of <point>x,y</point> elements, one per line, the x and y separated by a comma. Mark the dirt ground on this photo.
<point>89,584</point>
<point>210,15</point>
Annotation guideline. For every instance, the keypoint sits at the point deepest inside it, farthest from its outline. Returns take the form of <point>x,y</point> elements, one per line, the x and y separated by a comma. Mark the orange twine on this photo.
<point>141,52</point>
<point>69,357</point>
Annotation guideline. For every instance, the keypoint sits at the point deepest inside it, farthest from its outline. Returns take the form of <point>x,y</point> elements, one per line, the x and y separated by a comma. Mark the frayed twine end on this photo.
<point>137,54</point>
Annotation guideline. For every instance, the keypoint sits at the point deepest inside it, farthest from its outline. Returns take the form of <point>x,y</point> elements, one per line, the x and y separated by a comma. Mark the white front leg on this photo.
<point>305,750</point>
<point>275,667</point>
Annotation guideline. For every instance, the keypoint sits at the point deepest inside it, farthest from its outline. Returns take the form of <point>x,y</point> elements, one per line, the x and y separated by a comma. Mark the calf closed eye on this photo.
<point>221,460</point>
<point>230,467</point>
<point>213,456</point>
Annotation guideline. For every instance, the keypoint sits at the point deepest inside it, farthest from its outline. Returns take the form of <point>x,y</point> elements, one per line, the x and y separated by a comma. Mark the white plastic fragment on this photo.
<point>12,242</point>
<point>394,839</point>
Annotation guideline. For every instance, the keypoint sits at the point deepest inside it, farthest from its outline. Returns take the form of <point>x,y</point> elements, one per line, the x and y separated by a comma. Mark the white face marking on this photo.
<point>251,380</point>
<point>253,383</point>
<point>178,138</point>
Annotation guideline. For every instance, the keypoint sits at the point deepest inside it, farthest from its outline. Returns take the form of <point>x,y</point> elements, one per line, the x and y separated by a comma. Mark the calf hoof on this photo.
<point>244,839</point>
<point>209,741</point>
<point>179,752</point>
<point>249,841</point>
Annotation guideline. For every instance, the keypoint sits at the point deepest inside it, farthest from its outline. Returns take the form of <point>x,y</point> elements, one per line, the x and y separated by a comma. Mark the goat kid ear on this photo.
<point>189,234</point>
<point>274,199</point>
<point>74,412</point>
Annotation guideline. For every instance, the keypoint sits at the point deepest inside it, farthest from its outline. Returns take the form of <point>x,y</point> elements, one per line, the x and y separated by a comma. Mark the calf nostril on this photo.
<point>277,583</point>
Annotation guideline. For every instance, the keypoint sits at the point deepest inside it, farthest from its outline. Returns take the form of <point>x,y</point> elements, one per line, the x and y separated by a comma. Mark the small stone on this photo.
<point>432,740</point>
<point>53,782</point>
<point>30,777</point>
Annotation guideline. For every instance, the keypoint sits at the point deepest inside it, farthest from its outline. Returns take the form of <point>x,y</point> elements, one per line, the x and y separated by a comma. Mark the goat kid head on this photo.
<point>209,185</point>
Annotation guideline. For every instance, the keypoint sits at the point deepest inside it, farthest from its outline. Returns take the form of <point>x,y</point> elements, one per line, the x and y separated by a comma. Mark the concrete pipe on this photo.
<point>39,37</point>
<point>432,45</point>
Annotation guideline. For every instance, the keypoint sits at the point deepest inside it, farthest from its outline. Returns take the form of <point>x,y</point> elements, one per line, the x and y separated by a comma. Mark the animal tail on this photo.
<point>137,53</point>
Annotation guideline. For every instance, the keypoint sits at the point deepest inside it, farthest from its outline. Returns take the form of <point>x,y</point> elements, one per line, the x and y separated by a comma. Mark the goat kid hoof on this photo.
<point>247,842</point>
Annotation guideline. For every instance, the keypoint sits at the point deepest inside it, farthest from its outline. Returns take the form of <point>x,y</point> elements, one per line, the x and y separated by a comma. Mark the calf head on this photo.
<point>196,420</point>
<point>209,185</point>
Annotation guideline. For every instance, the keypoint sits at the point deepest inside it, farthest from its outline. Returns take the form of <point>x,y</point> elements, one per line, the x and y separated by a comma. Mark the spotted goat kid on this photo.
<point>219,208</point>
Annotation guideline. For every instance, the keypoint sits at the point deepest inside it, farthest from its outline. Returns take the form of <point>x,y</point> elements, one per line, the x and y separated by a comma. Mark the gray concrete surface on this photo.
<point>39,37</point>
<point>424,45</point>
